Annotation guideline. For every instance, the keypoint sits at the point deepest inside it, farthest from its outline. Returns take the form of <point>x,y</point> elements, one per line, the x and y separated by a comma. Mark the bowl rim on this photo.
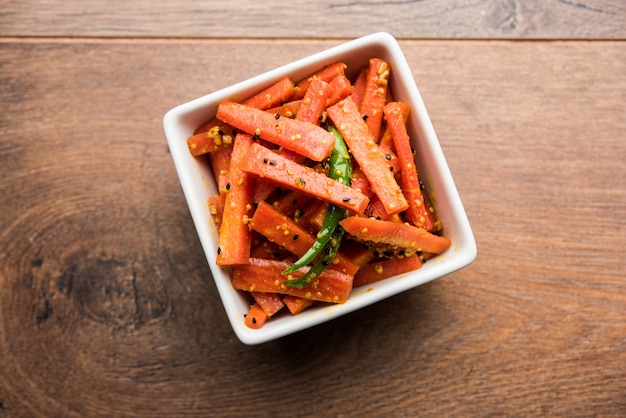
<point>462,252</point>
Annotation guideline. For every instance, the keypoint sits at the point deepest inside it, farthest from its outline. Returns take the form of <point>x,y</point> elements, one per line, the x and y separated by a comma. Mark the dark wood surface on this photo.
<point>107,306</point>
<point>478,19</point>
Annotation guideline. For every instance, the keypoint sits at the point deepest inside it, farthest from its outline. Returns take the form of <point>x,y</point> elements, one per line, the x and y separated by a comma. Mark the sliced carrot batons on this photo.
<point>234,235</point>
<point>265,276</point>
<point>365,151</point>
<point>280,229</point>
<point>384,269</point>
<point>325,74</point>
<point>375,95</point>
<point>304,138</point>
<point>393,233</point>
<point>272,96</point>
<point>268,154</point>
<point>416,213</point>
<point>268,164</point>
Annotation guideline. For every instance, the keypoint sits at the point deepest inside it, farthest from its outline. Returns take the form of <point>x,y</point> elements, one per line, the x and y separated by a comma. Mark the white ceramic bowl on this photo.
<point>198,184</point>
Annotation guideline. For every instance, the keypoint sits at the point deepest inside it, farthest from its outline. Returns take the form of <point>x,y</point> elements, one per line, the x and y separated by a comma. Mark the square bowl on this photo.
<point>198,185</point>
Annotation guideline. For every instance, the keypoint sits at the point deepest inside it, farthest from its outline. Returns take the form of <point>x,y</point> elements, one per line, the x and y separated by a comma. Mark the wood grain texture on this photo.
<point>107,307</point>
<point>510,19</point>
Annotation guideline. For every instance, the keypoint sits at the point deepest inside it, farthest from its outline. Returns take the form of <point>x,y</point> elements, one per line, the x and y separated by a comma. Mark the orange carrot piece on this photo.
<point>288,110</point>
<point>314,102</point>
<point>359,87</point>
<point>297,304</point>
<point>234,236</point>
<point>359,253</point>
<point>375,95</point>
<point>325,74</point>
<point>304,138</point>
<point>308,216</point>
<point>265,187</point>
<point>365,151</point>
<point>291,202</point>
<point>314,217</point>
<point>416,213</point>
<point>359,182</point>
<point>384,269</point>
<point>211,137</point>
<point>220,164</point>
<point>216,208</point>
<point>256,317</point>
<point>393,233</point>
<point>432,213</point>
<point>386,138</point>
<point>265,163</point>
<point>269,250</point>
<point>376,209</point>
<point>265,276</point>
<point>272,96</point>
<point>340,88</point>
<point>271,303</point>
<point>206,142</point>
<point>292,155</point>
<point>390,157</point>
<point>280,229</point>
<point>215,122</point>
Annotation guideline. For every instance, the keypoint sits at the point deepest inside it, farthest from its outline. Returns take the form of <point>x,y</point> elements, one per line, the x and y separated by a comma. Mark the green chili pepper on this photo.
<point>340,169</point>
<point>340,162</point>
<point>326,257</point>
<point>333,216</point>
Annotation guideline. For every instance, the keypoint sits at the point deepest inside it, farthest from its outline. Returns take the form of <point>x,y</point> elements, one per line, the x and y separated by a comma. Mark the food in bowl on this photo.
<point>202,182</point>
<point>318,189</point>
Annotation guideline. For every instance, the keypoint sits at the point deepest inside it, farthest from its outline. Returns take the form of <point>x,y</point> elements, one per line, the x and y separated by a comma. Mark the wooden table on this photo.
<point>107,306</point>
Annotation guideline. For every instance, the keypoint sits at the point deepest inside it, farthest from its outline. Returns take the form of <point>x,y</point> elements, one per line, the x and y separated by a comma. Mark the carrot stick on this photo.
<point>376,209</point>
<point>360,183</point>
<point>355,132</point>
<point>220,164</point>
<point>291,202</point>
<point>432,214</point>
<point>234,236</point>
<point>265,276</point>
<point>359,253</point>
<point>384,269</point>
<point>269,250</point>
<point>304,138</point>
<point>314,102</point>
<point>265,187</point>
<point>280,229</point>
<point>271,303</point>
<point>215,129</point>
<point>374,96</point>
<point>272,96</point>
<point>416,213</point>
<point>205,142</point>
<point>390,157</point>
<point>265,163</point>
<point>289,109</point>
<point>359,87</point>
<point>213,136</point>
<point>256,317</point>
<point>386,138</point>
<point>325,74</point>
<point>205,127</point>
<point>340,88</point>
<point>393,233</point>
<point>216,208</point>
<point>315,215</point>
<point>297,304</point>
